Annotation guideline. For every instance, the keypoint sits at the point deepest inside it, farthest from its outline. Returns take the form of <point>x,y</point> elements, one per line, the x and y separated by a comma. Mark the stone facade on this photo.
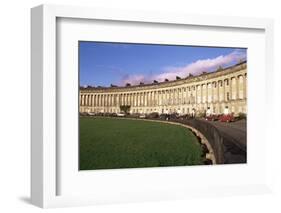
<point>223,91</point>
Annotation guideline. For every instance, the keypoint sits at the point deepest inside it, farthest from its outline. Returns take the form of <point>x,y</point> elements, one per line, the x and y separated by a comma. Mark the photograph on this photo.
<point>161,105</point>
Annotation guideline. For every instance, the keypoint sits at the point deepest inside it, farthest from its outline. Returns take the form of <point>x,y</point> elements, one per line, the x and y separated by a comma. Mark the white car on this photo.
<point>142,116</point>
<point>120,115</point>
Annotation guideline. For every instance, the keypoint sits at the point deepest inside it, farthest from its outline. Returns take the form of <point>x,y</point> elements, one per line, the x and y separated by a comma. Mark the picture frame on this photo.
<point>45,151</point>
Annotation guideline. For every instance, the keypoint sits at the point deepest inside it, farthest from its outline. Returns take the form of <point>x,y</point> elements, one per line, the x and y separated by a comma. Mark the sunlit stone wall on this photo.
<point>223,91</point>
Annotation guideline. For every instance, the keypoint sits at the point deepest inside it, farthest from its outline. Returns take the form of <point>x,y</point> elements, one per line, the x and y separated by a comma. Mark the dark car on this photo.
<point>174,116</point>
<point>185,117</point>
<point>153,115</point>
<point>212,118</point>
<point>164,116</point>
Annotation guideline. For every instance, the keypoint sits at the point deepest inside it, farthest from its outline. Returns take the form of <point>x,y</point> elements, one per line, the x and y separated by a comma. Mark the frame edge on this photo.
<point>37,106</point>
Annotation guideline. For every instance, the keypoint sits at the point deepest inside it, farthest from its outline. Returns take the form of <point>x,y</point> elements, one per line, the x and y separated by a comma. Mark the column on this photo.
<point>101,100</point>
<point>144,94</point>
<point>202,87</point>
<point>82,100</point>
<point>147,98</point>
<point>113,100</point>
<point>165,97</point>
<point>92,100</point>
<point>168,97</point>
<point>153,98</point>
<point>117,102</point>
<point>218,91</point>
<point>206,93</point>
<point>223,84</point>
<point>245,86</point>
<point>87,100</point>
<point>97,100</point>
<point>172,97</point>
<point>195,89</point>
<point>237,88</point>
<point>230,88</point>
<point>109,99</point>
<point>106,100</point>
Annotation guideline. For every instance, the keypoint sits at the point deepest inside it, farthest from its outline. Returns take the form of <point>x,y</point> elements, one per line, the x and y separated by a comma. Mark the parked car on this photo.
<point>153,115</point>
<point>134,115</point>
<point>142,116</point>
<point>174,116</point>
<point>120,114</point>
<point>185,117</point>
<point>212,118</point>
<point>227,118</point>
<point>113,114</point>
<point>83,113</point>
<point>164,116</point>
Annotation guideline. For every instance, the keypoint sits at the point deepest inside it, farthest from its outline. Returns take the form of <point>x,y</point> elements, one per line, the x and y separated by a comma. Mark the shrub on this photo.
<point>242,115</point>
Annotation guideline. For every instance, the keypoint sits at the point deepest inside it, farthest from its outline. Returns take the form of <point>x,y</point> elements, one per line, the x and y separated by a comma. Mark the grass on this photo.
<point>109,143</point>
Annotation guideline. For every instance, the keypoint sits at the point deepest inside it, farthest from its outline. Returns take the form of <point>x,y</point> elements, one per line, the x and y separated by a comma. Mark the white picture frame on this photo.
<point>44,149</point>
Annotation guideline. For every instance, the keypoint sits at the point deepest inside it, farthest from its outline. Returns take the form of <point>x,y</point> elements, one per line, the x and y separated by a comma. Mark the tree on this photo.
<point>125,108</point>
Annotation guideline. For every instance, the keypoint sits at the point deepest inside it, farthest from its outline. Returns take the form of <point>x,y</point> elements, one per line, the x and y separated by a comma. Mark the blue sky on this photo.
<point>102,64</point>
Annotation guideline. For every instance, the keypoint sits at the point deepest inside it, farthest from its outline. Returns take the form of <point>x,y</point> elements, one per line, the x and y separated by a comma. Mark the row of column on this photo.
<point>211,92</point>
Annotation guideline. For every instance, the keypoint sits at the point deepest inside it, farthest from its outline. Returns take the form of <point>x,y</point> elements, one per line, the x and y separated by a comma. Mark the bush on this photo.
<point>242,115</point>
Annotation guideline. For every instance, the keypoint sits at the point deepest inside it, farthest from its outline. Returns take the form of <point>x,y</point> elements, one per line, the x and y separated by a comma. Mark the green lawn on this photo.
<point>108,143</point>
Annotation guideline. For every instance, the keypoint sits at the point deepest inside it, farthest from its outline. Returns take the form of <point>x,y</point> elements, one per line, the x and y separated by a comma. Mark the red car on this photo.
<point>227,118</point>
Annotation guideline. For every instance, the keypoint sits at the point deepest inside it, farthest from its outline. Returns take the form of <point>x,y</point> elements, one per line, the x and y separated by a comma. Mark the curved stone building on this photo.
<point>223,91</point>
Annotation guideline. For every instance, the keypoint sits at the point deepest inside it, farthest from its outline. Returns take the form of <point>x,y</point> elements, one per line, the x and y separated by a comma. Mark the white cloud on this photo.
<point>194,68</point>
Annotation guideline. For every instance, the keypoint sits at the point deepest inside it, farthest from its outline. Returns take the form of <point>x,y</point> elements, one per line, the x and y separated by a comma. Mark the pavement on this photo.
<point>235,140</point>
<point>232,137</point>
<point>236,131</point>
